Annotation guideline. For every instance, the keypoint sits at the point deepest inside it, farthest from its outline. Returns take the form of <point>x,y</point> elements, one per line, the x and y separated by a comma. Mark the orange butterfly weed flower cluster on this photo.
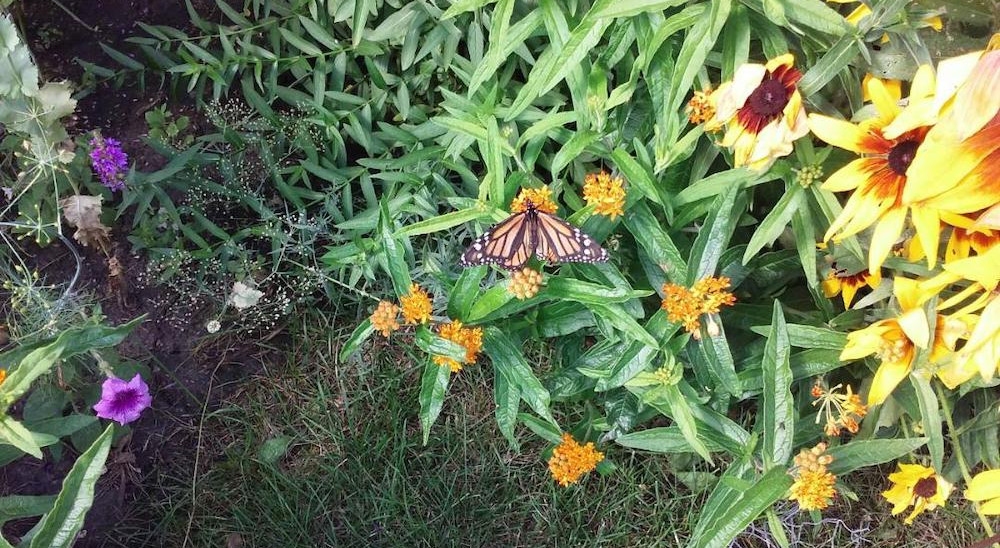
<point>416,308</point>
<point>685,305</point>
<point>700,108</point>
<point>541,198</point>
<point>570,460</point>
<point>841,410</point>
<point>524,283</point>
<point>470,338</point>
<point>384,319</point>
<point>813,486</point>
<point>605,193</point>
<point>416,305</point>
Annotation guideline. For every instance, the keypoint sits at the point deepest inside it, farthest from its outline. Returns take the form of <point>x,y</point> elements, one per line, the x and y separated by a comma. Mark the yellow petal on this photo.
<point>985,485</point>
<point>934,22</point>
<point>991,508</point>
<point>839,133</point>
<point>831,286</point>
<point>978,100</point>
<point>858,14</point>
<point>923,83</point>
<point>865,342</point>
<point>984,341</point>
<point>914,324</point>
<point>849,291</point>
<point>782,60</point>
<point>885,103</point>
<point>887,231</point>
<point>990,218</point>
<point>951,74</point>
<point>956,372</point>
<point>888,376</point>
<point>978,190</point>
<point>928,226</point>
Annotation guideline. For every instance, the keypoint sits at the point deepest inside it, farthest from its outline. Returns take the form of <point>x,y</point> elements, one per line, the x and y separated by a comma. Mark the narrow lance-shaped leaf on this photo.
<point>713,238</point>
<point>433,388</point>
<point>511,362</point>
<point>777,409</point>
<point>59,527</point>
<point>930,417</point>
<point>760,496</point>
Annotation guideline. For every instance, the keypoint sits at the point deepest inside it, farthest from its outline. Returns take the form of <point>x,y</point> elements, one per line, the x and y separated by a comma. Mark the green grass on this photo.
<point>356,474</point>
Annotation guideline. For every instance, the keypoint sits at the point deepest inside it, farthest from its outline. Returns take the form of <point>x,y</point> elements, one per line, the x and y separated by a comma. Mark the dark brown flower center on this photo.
<point>901,156</point>
<point>769,99</point>
<point>925,488</point>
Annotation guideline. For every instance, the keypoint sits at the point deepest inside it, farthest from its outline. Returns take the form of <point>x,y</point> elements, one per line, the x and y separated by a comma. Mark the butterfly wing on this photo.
<point>508,243</point>
<point>559,241</point>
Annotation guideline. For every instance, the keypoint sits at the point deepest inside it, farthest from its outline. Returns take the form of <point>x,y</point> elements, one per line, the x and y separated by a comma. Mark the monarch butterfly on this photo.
<point>510,243</point>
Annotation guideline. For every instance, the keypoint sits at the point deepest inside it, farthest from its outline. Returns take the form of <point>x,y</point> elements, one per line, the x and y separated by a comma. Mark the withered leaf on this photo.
<point>84,213</point>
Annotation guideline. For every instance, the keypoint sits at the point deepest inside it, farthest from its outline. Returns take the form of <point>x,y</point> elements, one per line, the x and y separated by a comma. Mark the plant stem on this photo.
<point>957,447</point>
<point>73,15</point>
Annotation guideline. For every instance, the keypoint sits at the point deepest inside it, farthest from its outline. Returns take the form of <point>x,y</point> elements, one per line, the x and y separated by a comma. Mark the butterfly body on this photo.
<point>511,242</point>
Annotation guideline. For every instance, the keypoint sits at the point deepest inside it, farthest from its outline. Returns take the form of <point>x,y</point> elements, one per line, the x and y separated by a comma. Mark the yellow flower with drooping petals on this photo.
<point>540,198</point>
<point>384,318</point>
<point>981,353</point>
<point>847,285</point>
<point>877,180</point>
<point>957,168</point>
<point>762,111</point>
<point>570,460</point>
<point>416,306</point>
<point>917,486</point>
<point>469,338</point>
<point>895,340</point>
<point>605,193</point>
<point>524,283</point>
<point>985,489</point>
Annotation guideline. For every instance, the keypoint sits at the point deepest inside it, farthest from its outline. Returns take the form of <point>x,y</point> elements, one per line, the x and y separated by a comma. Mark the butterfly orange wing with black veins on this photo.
<point>561,242</point>
<point>512,242</point>
<point>508,243</point>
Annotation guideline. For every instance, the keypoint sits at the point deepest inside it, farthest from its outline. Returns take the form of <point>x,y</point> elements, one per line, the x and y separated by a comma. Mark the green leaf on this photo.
<point>861,453</point>
<point>616,316</point>
<point>930,417</point>
<point>808,336</point>
<point>543,429</point>
<point>576,144</point>
<point>489,302</point>
<point>680,411</point>
<point>813,14</point>
<point>509,359</point>
<point>833,61</point>
<point>434,345</point>
<point>361,10</point>
<point>24,506</point>
<point>17,435</point>
<point>35,360</point>
<point>433,388</point>
<point>273,449</point>
<point>464,294</point>
<point>358,336</point>
<point>444,222</point>
<point>656,242</point>
<point>461,6</point>
<point>628,8</point>
<point>713,238</point>
<point>507,396</point>
<point>725,492</point>
<point>767,490</point>
<point>636,175</point>
<point>667,439</point>
<point>59,527</point>
<point>393,253</point>
<point>586,292</point>
<point>777,409</point>
<point>774,224</point>
<point>553,66</point>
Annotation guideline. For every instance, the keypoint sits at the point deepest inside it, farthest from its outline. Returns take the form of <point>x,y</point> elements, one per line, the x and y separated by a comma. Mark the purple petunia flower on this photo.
<point>123,401</point>
<point>110,162</point>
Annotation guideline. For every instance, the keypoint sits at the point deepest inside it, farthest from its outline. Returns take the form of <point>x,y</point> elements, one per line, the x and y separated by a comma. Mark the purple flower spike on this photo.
<point>123,401</point>
<point>109,161</point>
